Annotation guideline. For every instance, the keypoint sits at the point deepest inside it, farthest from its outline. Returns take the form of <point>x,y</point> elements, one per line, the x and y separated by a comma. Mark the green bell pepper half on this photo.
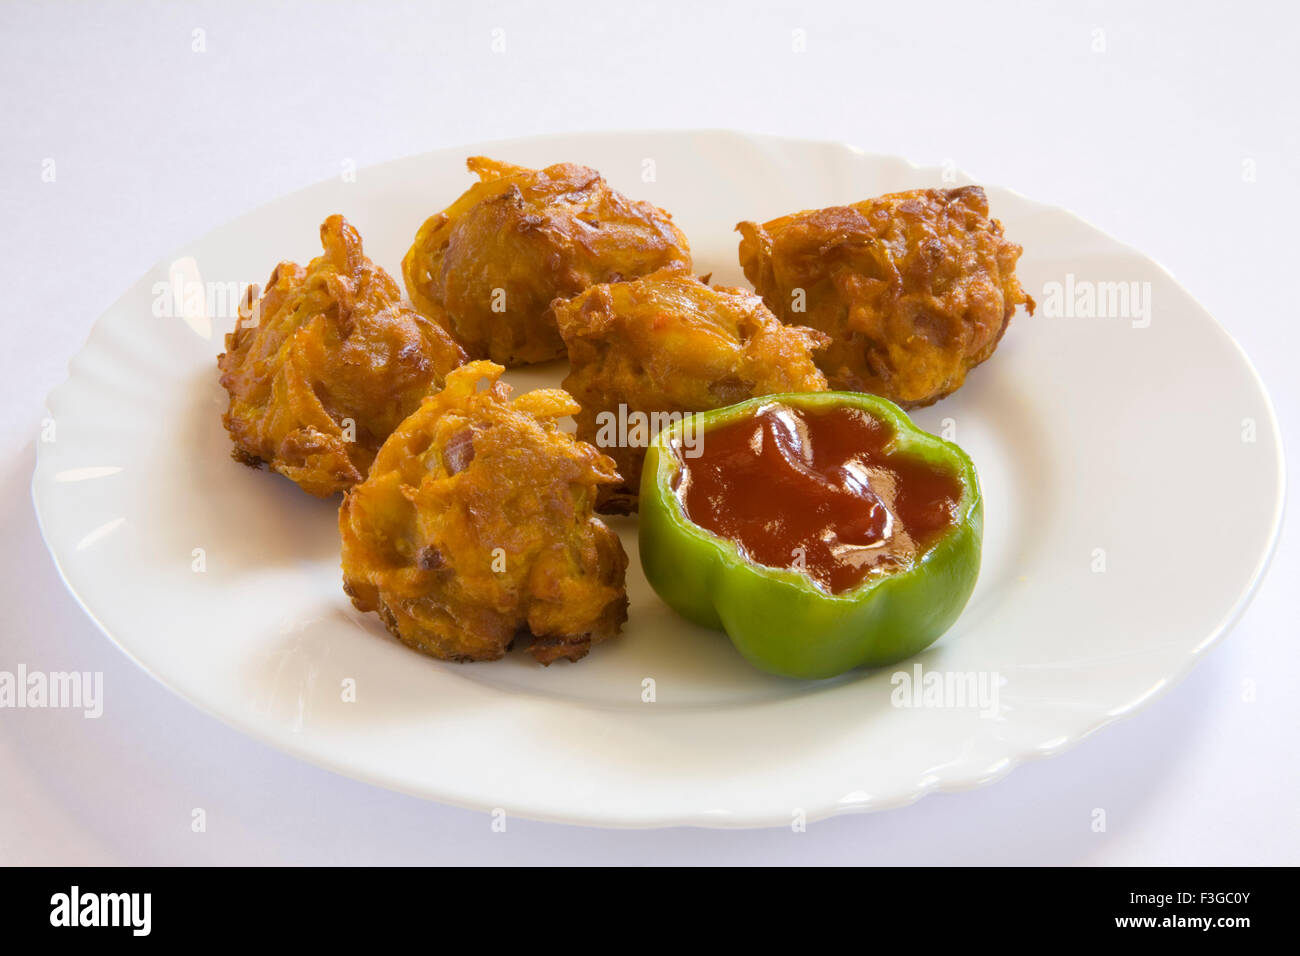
<point>780,619</point>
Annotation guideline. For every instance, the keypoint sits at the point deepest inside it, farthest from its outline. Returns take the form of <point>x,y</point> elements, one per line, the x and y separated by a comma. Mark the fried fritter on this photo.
<point>488,267</point>
<point>325,365</point>
<point>476,525</point>
<point>670,343</point>
<point>914,288</point>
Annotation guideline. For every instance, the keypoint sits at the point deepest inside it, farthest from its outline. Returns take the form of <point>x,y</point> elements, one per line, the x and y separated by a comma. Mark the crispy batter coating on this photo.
<point>488,267</point>
<point>326,364</point>
<point>476,524</point>
<point>671,343</point>
<point>914,288</point>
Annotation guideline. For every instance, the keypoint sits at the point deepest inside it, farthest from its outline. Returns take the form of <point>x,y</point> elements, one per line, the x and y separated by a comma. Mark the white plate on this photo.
<point>1149,449</point>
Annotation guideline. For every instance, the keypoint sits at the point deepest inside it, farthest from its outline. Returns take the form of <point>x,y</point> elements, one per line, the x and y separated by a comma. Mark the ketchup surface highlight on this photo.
<point>816,491</point>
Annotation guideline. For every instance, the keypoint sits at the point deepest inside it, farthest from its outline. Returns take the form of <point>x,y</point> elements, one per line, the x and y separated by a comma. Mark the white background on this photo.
<point>154,144</point>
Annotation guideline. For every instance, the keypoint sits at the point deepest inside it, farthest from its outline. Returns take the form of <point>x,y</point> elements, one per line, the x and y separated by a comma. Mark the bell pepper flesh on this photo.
<point>780,619</point>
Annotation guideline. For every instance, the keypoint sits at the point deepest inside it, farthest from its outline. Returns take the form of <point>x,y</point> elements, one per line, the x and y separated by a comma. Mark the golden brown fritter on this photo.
<point>671,343</point>
<point>476,525</point>
<point>914,288</point>
<point>325,365</point>
<point>489,266</point>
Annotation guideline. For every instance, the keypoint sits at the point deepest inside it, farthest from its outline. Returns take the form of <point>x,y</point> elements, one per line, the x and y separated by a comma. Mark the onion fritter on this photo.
<point>476,525</point>
<point>670,343</point>
<point>914,288</point>
<point>325,365</point>
<point>488,267</point>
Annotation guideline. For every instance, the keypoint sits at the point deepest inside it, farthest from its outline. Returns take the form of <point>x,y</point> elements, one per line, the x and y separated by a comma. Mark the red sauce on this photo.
<point>816,491</point>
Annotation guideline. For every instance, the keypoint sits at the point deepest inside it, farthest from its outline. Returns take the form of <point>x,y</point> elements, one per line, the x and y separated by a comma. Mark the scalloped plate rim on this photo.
<point>845,805</point>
